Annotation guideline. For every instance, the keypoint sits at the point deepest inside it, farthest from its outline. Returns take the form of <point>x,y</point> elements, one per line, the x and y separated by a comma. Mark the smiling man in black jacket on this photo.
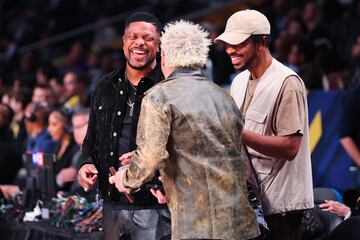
<point>111,132</point>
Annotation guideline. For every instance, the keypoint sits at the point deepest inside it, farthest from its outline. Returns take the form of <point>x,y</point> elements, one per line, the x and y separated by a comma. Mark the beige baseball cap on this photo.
<point>242,25</point>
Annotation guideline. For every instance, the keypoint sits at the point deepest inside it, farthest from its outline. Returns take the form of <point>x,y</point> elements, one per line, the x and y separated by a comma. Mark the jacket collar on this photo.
<point>155,75</point>
<point>185,71</point>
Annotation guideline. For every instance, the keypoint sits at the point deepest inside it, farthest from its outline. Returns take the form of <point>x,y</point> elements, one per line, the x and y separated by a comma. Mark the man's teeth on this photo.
<point>235,58</point>
<point>139,52</point>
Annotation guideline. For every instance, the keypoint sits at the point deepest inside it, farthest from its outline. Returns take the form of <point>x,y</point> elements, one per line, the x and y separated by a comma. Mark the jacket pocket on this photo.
<point>255,120</point>
<point>105,103</point>
<point>103,106</point>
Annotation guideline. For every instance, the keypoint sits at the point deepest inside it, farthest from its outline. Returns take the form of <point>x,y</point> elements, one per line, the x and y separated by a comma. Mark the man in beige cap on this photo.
<point>273,100</point>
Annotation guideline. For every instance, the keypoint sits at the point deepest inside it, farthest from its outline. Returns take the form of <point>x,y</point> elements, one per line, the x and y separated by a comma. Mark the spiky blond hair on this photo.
<point>185,44</point>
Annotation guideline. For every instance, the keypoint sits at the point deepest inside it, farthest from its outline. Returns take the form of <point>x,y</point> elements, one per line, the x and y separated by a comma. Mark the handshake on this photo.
<point>88,173</point>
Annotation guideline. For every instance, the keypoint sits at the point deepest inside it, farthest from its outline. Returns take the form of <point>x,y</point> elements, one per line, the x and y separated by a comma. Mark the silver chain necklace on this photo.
<point>129,102</point>
<point>131,106</point>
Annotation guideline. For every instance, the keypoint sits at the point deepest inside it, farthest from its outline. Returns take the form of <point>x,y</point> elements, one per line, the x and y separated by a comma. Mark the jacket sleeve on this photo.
<point>88,150</point>
<point>152,137</point>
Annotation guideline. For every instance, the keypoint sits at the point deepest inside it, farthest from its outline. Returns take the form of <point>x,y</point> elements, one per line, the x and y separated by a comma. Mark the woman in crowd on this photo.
<point>60,131</point>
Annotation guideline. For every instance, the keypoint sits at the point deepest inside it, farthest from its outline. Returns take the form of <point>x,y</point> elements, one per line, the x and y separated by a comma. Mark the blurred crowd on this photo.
<point>320,40</point>
<point>41,88</point>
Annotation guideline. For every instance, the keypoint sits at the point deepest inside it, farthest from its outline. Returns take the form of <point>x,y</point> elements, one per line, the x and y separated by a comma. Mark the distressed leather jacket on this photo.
<point>101,144</point>
<point>190,129</point>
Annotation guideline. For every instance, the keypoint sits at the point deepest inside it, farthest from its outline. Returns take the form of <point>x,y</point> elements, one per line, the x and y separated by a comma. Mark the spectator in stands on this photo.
<point>80,119</point>
<point>299,56</point>
<point>349,132</point>
<point>10,157</point>
<point>112,130</point>
<point>317,33</point>
<point>61,132</point>
<point>36,122</point>
<point>47,74</point>
<point>342,21</point>
<point>18,102</point>
<point>296,57</point>
<point>197,152</point>
<point>72,93</point>
<point>43,94</point>
<point>273,100</point>
<point>293,32</point>
<point>282,46</point>
<point>66,175</point>
<point>295,26</point>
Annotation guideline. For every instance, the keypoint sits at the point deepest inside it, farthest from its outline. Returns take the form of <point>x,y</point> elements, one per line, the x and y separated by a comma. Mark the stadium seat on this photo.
<point>321,194</point>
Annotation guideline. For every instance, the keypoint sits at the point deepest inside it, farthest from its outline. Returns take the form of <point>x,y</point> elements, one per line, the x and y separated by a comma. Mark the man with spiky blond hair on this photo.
<point>190,130</point>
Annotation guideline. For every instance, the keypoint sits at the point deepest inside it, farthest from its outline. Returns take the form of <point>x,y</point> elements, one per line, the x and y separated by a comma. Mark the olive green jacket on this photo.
<point>190,129</point>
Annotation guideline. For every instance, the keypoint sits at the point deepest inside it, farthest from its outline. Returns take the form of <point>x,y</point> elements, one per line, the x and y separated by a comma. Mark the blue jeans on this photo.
<point>147,224</point>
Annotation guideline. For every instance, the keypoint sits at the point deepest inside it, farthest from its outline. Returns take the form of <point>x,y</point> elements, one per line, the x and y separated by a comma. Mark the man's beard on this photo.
<point>146,65</point>
<point>248,63</point>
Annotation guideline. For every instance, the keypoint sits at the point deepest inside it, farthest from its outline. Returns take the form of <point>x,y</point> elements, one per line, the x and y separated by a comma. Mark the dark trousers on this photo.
<point>148,224</point>
<point>285,227</point>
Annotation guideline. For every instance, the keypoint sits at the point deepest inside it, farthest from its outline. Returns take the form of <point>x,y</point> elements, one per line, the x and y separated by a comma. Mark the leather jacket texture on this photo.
<point>190,129</point>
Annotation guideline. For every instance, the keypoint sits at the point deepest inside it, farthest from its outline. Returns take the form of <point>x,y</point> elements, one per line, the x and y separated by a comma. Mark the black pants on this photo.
<point>148,224</point>
<point>285,227</point>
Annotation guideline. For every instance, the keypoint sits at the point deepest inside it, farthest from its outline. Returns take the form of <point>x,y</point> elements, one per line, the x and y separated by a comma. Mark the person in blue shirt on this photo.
<point>36,121</point>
